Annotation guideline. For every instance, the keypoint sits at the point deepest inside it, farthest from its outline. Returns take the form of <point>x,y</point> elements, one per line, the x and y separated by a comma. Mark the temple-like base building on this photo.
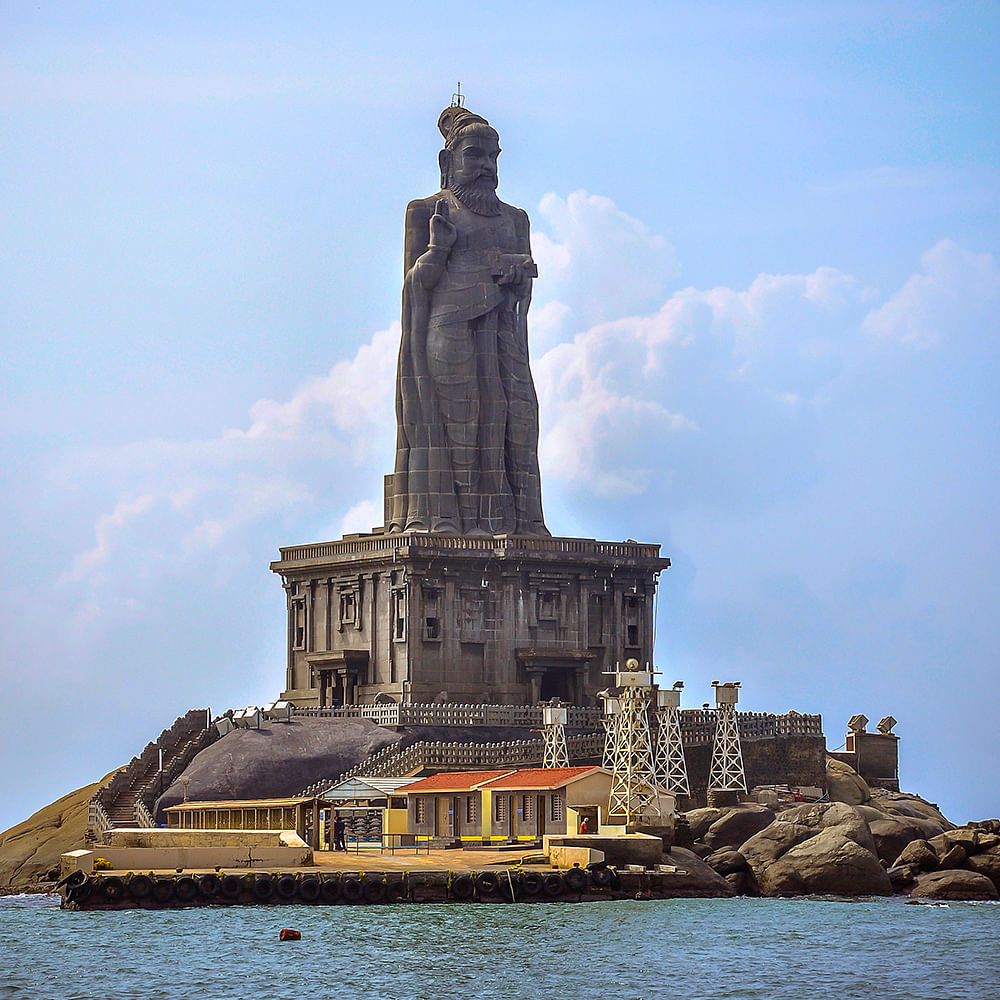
<point>417,617</point>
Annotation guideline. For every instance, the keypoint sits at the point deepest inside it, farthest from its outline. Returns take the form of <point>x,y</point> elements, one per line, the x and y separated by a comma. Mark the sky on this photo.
<point>764,335</point>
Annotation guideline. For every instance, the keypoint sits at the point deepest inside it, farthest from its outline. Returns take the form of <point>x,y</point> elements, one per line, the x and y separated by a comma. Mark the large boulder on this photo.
<point>737,825</point>
<point>844,784</point>
<point>954,884</point>
<point>892,834</point>
<point>820,848</point>
<point>699,881</point>
<point>986,863</point>
<point>727,861</point>
<point>919,853</point>
<point>699,820</point>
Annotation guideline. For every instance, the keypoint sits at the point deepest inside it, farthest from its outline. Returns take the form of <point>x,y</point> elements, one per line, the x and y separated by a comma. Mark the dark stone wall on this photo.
<point>782,760</point>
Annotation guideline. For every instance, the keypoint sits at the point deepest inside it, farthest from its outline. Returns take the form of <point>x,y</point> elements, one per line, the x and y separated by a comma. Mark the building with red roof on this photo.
<point>489,807</point>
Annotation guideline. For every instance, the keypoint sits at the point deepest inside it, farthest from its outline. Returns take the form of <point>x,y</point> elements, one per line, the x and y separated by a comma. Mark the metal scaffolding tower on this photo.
<point>633,783</point>
<point>554,752</point>
<point>670,765</point>
<point>612,709</point>
<point>726,773</point>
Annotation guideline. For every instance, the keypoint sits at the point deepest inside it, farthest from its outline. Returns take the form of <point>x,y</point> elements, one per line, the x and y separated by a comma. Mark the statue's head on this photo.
<point>469,159</point>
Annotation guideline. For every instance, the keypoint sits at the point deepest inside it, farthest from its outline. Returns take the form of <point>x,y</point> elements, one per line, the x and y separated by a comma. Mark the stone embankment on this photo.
<point>863,842</point>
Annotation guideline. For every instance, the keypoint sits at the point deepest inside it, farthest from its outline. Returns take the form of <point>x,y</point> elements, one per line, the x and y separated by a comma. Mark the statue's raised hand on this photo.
<point>443,231</point>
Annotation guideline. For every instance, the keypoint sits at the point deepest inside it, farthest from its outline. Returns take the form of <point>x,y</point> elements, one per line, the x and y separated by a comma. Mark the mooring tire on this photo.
<point>396,891</point>
<point>185,889</point>
<point>553,885</point>
<point>209,885</point>
<point>111,887</point>
<point>531,884</point>
<point>81,890</point>
<point>488,883</point>
<point>352,890</point>
<point>332,890</point>
<point>601,877</point>
<point>461,887</point>
<point>373,889</point>
<point>575,879</point>
<point>75,879</point>
<point>286,886</point>
<point>309,889</point>
<point>140,886</point>
<point>163,890</point>
<point>263,888</point>
<point>231,886</point>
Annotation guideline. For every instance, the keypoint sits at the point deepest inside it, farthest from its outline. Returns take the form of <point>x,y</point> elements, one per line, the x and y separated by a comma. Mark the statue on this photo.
<point>466,409</point>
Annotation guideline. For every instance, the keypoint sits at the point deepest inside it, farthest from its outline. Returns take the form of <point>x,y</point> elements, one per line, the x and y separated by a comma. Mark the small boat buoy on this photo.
<point>287,934</point>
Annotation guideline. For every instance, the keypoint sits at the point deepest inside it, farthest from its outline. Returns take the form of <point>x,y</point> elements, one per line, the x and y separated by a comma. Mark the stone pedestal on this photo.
<point>506,619</point>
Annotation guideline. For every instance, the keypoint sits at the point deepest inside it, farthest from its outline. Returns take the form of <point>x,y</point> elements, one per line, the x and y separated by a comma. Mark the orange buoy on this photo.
<point>287,934</point>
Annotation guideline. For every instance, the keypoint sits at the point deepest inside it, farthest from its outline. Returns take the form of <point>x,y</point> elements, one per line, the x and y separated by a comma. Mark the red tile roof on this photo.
<point>540,777</point>
<point>452,781</point>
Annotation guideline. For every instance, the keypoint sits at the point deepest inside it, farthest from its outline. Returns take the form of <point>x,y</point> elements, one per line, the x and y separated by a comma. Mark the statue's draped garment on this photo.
<point>466,409</point>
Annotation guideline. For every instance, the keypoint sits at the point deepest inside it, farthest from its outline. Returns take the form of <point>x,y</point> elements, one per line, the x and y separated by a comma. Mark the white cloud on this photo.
<point>953,281</point>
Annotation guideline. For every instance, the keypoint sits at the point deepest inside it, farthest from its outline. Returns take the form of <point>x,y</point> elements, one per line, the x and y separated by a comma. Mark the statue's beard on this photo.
<point>480,196</point>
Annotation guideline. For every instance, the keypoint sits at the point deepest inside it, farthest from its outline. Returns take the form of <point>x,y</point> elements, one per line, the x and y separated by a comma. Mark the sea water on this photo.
<point>689,949</point>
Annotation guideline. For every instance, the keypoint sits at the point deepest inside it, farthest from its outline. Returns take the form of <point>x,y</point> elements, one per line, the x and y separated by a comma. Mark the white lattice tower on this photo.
<point>726,773</point>
<point>554,751</point>
<point>670,764</point>
<point>633,783</point>
<point>612,709</point>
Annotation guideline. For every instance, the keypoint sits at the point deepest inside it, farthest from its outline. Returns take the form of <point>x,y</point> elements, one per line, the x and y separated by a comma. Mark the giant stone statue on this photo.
<point>466,409</point>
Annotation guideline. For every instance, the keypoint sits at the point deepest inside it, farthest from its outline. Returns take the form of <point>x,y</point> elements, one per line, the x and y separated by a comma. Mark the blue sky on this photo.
<point>765,334</point>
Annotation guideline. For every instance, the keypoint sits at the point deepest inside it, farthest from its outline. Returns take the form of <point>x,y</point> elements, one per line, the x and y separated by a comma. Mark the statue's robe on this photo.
<point>466,409</point>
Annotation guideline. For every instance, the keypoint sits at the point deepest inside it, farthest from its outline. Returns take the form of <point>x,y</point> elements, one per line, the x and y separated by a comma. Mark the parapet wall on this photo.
<point>780,760</point>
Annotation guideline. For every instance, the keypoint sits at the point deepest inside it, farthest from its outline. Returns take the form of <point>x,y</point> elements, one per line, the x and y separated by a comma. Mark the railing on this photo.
<point>499,545</point>
<point>514,716</point>
<point>393,762</point>
<point>698,725</point>
<point>189,732</point>
<point>97,818</point>
<point>143,817</point>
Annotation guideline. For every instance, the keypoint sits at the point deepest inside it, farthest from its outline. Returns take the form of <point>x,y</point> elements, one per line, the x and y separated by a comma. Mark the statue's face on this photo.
<point>474,161</point>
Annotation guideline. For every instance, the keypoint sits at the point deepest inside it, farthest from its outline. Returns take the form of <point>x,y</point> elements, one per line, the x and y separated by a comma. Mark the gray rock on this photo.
<point>893,833</point>
<point>818,848</point>
<point>727,861</point>
<point>844,784</point>
<point>737,825</point>
<point>986,863</point>
<point>699,820</point>
<point>700,880</point>
<point>954,884</point>
<point>954,857</point>
<point>902,876</point>
<point>920,853</point>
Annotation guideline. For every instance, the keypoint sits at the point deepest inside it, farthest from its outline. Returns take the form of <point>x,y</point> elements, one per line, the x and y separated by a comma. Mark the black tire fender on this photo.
<point>209,885</point>
<point>462,886</point>
<point>531,883</point>
<point>553,885</point>
<point>373,889</point>
<point>112,886</point>
<point>185,888</point>
<point>396,891</point>
<point>163,890</point>
<point>231,886</point>
<point>140,886</point>
<point>601,877</point>
<point>309,889</point>
<point>331,890</point>
<point>575,879</point>
<point>488,883</point>
<point>352,890</point>
<point>263,887</point>
<point>286,886</point>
